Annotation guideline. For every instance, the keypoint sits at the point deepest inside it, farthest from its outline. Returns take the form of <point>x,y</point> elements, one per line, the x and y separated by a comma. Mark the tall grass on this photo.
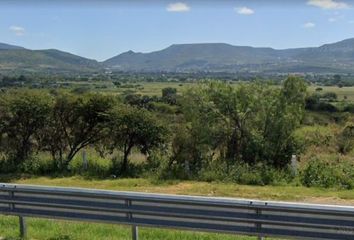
<point>44,229</point>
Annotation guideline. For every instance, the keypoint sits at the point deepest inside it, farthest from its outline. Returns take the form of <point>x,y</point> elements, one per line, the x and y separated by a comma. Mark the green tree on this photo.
<point>23,114</point>
<point>135,127</point>
<point>337,78</point>
<point>330,96</point>
<point>76,122</point>
<point>346,139</point>
<point>282,121</point>
<point>169,95</point>
<point>247,122</point>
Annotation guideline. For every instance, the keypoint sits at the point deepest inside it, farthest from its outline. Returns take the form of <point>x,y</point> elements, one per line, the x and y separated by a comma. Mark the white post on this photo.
<point>135,235</point>
<point>294,164</point>
<point>84,160</point>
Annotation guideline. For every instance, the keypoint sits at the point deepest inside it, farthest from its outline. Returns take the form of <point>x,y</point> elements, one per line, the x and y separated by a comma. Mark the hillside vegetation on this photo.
<point>212,139</point>
<point>221,57</point>
<point>213,131</point>
<point>188,58</point>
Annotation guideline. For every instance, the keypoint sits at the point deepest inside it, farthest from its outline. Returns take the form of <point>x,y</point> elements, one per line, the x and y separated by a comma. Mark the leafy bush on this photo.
<point>349,108</point>
<point>330,96</point>
<point>319,173</point>
<point>243,173</point>
<point>326,107</point>
<point>346,139</point>
<point>131,169</point>
<point>309,136</point>
<point>40,164</point>
<point>163,108</point>
<point>96,166</point>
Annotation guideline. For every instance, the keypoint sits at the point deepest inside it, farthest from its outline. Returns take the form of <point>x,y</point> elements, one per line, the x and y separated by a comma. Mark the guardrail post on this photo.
<point>23,227</point>
<point>259,225</point>
<point>135,233</point>
<point>22,221</point>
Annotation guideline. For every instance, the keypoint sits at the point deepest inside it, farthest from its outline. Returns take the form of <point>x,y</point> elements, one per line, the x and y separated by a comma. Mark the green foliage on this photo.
<point>163,108</point>
<point>96,165</point>
<point>169,95</point>
<point>330,96</point>
<point>320,173</point>
<point>39,164</point>
<point>71,230</point>
<point>22,114</point>
<point>315,136</point>
<point>244,173</point>
<point>322,102</point>
<point>249,123</point>
<point>346,139</point>
<point>76,122</point>
<point>241,133</point>
<point>135,127</point>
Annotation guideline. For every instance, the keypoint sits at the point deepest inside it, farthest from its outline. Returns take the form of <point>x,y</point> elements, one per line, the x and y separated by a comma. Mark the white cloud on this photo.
<point>328,4</point>
<point>17,30</point>
<point>244,11</point>
<point>309,25</point>
<point>332,19</point>
<point>178,7</point>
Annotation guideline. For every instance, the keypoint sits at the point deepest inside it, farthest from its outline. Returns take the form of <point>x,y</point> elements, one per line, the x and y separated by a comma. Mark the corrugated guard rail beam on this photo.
<point>223,215</point>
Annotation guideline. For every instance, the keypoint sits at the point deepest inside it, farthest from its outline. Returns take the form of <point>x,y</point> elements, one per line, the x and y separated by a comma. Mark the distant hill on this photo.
<point>200,57</point>
<point>14,58</point>
<point>8,46</point>
<point>214,57</point>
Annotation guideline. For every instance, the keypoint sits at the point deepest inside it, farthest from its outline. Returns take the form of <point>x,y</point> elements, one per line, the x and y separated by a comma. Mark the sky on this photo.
<point>102,29</point>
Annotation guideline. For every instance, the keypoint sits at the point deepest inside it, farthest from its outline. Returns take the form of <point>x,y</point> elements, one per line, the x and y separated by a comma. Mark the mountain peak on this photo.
<point>129,52</point>
<point>222,57</point>
<point>4,46</point>
<point>344,45</point>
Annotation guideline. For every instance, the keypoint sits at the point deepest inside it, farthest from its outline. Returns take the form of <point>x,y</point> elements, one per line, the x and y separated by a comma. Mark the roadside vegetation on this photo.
<point>213,138</point>
<point>212,131</point>
<point>64,230</point>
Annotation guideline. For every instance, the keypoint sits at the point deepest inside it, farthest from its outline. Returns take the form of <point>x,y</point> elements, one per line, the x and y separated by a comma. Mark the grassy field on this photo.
<point>343,92</point>
<point>155,88</point>
<point>64,230</point>
<point>213,189</point>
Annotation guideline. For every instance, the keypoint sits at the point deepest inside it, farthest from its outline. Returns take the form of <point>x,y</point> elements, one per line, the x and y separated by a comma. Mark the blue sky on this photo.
<point>102,29</point>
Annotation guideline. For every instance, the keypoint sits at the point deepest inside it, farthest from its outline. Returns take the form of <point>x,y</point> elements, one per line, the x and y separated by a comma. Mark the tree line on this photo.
<point>215,123</point>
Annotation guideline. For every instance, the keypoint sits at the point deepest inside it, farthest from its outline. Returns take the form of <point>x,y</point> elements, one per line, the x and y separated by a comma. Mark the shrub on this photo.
<point>319,173</point>
<point>346,139</point>
<point>243,173</point>
<point>349,108</point>
<point>325,107</point>
<point>163,108</point>
<point>96,166</point>
<point>330,96</point>
<point>318,136</point>
<point>40,164</point>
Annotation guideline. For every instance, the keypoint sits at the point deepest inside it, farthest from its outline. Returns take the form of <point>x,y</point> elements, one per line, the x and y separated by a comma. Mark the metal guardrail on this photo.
<point>224,215</point>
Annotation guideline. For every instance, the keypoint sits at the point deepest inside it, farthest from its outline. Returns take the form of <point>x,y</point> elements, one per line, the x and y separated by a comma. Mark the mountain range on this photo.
<point>201,57</point>
<point>18,59</point>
